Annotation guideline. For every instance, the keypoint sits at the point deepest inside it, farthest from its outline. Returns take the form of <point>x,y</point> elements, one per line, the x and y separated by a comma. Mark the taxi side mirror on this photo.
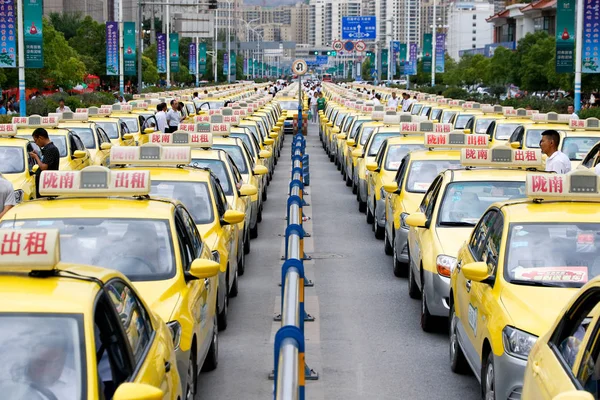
<point>351,142</point>
<point>265,153</point>
<point>515,145</point>
<point>149,130</point>
<point>356,153</point>
<point>35,169</point>
<point>330,124</point>
<point>79,154</point>
<point>268,141</point>
<point>137,391</point>
<point>417,220</point>
<point>127,136</point>
<point>341,136</point>
<point>373,167</point>
<point>475,271</point>
<point>274,135</point>
<point>248,190</point>
<point>280,122</point>
<point>202,268</point>
<point>391,188</point>
<point>335,130</point>
<point>260,170</point>
<point>105,146</point>
<point>574,395</point>
<point>232,217</point>
<point>467,131</point>
<point>276,128</point>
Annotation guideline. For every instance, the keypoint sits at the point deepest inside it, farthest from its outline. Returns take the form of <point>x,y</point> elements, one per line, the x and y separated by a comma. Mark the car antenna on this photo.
<point>15,221</point>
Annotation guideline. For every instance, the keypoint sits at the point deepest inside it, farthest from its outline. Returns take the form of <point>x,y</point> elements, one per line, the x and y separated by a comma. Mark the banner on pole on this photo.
<point>112,48</point>
<point>174,50</point>
<point>565,36</point>
<point>202,58</point>
<point>402,58</point>
<point>129,50</point>
<point>225,64</point>
<point>591,47</point>
<point>161,57</point>
<point>192,59</point>
<point>384,64</point>
<point>8,47</point>
<point>427,50</point>
<point>33,35</point>
<point>440,52</point>
<point>410,68</point>
<point>233,64</point>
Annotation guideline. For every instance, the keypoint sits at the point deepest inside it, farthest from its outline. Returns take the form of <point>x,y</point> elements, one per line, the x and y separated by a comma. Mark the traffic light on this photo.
<point>212,4</point>
<point>316,53</point>
<point>334,53</point>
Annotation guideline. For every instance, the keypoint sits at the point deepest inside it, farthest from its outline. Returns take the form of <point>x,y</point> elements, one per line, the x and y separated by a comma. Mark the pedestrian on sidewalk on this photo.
<point>313,106</point>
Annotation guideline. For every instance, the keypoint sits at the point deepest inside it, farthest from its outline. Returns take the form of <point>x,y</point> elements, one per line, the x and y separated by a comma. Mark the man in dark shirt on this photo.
<point>50,155</point>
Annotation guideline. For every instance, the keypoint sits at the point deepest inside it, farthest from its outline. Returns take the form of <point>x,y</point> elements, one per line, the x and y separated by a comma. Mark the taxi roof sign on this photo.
<point>510,112</point>
<point>489,109</point>
<point>124,108</point>
<point>36,121</point>
<point>150,153</point>
<point>455,139</point>
<point>501,156</point>
<point>378,113</point>
<point>182,138</point>
<point>94,111</point>
<point>591,124</point>
<point>94,181</point>
<point>73,116</point>
<point>580,184</point>
<point>25,250</point>
<point>471,105</point>
<point>552,118</point>
<point>8,130</point>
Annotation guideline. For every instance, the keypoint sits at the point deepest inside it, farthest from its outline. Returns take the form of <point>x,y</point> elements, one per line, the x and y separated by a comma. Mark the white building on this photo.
<point>326,19</point>
<point>467,26</point>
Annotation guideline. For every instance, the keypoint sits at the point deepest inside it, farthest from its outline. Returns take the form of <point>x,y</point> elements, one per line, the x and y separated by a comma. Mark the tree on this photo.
<point>535,64</point>
<point>67,23</point>
<point>149,71</point>
<point>501,68</point>
<point>366,69</point>
<point>90,41</point>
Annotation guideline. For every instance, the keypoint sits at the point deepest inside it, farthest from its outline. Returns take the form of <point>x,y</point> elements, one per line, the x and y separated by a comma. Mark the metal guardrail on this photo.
<point>291,372</point>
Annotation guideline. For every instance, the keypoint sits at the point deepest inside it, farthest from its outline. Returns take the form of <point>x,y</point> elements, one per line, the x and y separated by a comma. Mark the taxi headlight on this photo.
<point>445,265</point>
<point>403,224</point>
<point>175,328</point>
<point>19,194</point>
<point>517,343</point>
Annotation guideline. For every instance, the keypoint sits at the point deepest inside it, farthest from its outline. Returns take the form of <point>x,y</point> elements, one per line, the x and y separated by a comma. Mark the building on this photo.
<point>517,20</point>
<point>468,27</point>
<point>326,19</point>
<point>99,10</point>
<point>289,23</point>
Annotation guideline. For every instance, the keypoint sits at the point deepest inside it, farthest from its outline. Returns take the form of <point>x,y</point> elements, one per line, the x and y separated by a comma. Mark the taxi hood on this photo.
<point>161,296</point>
<point>534,309</point>
<point>452,238</point>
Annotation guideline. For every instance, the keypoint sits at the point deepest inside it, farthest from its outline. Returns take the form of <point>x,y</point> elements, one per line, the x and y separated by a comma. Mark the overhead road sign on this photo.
<point>359,28</point>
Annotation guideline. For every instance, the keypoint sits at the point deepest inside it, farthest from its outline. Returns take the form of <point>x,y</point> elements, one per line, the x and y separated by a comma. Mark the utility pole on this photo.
<point>229,42</point>
<point>578,49</point>
<point>215,51</point>
<point>140,43</point>
<point>196,42</point>
<point>152,28</point>
<point>168,33</point>
<point>121,53</point>
<point>433,43</point>
<point>21,56</point>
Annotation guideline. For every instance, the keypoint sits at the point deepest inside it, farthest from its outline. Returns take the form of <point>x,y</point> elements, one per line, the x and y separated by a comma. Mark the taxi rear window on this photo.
<point>396,153</point>
<point>12,160</point>
<point>236,153</point>
<point>377,141</point>
<point>482,124</point>
<point>218,168</point>
<point>42,354</point>
<point>576,148</point>
<point>132,123</point>
<point>110,128</point>
<point>194,195</point>
<point>141,249</point>
<point>86,135</point>
<point>422,173</point>
<point>504,131</point>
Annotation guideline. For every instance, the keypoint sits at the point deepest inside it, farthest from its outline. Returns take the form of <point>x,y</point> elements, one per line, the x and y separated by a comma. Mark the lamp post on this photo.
<point>229,42</point>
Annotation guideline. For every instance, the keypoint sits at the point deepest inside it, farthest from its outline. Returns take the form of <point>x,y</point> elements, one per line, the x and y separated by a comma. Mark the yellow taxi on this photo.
<point>266,143</point>
<point>562,363</point>
<point>355,149</point>
<point>109,219</point>
<point>117,131</point>
<point>63,324</point>
<point>382,171</point>
<point>519,268</point>
<point>72,151</point>
<point>413,177</point>
<point>469,111</point>
<point>480,123</point>
<point>500,130</point>
<point>345,155</point>
<point>450,209</point>
<point>260,157</point>
<point>95,140</point>
<point>132,121</point>
<point>16,165</point>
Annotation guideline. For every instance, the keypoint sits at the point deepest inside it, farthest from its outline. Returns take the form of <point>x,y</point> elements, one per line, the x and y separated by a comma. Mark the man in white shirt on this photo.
<point>406,102</point>
<point>557,160</point>
<point>376,101</point>
<point>173,117</point>
<point>161,117</point>
<point>393,101</point>
<point>571,110</point>
<point>61,107</point>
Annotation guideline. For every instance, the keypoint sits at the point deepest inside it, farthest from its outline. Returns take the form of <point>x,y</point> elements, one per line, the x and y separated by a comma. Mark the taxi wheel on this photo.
<point>370,216</point>
<point>488,385</point>
<point>362,205</point>
<point>264,195</point>
<point>389,250</point>
<point>428,321</point>
<point>242,263</point>
<point>348,180</point>
<point>259,217</point>
<point>413,289</point>
<point>379,231</point>
<point>222,318</point>
<point>247,242</point>
<point>192,376</point>
<point>234,288</point>
<point>458,362</point>
<point>212,358</point>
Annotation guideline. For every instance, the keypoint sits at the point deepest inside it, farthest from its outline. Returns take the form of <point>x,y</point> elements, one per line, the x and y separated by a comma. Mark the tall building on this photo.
<point>287,23</point>
<point>467,26</point>
<point>99,10</point>
<point>326,19</point>
<point>441,11</point>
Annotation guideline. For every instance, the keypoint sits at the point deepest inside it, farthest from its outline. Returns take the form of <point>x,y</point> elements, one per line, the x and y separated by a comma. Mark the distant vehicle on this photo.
<point>327,78</point>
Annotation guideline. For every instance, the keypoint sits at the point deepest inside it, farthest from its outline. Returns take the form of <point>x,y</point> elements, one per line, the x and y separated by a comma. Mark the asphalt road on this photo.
<point>366,341</point>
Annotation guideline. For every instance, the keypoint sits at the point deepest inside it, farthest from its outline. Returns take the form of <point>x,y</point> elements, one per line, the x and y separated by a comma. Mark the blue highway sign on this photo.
<point>359,28</point>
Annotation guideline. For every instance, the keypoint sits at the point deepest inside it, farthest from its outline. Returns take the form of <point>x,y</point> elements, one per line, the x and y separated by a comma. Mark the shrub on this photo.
<point>456,93</point>
<point>589,113</point>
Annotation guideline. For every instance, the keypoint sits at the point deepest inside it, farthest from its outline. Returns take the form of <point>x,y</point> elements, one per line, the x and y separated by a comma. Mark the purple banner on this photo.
<point>193,66</point>
<point>161,49</point>
<point>112,48</point>
<point>8,46</point>
<point>410,67</point>
<point>440,52</point>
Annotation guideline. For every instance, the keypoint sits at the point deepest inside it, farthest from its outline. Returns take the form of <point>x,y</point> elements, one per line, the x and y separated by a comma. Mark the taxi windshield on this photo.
<point>534,136</point>
<point>110,128</point>
<point>482,124</point>
<point>377,141</point>
<point>236,153</point>
<point>291,105</point>
<point>503,131</point>
<point>141,249</point>
<point>578,147</point>
<point>435,114</point>
<point>422,173</point>
<point>42,356</point>
<point>246,139</point>
<point>252,129</point>
<point>447,116</point>
<point>194,195</point>
<point>396,153</point>
<point>464,203</point>
<point>461,121</point>
<point>355,129</point>
<point>366,134</point>
<point>347,123</point>
<point>86,135</point>
<point>59,141</point>
<point>217,167</point>
<point>12,160</point>
<point>190,107</point>
<point>132,123</point>
<point>552,254</point>
<point>424,110</point>
<point>415,109</point>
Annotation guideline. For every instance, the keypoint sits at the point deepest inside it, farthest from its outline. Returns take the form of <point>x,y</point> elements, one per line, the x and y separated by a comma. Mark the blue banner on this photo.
<point>410,68</point>
<point>112,48</point>
<point>359,28</point>
<point>591,40</point>
<point>233,69</point>
<point>33,35</point>
<point>225,64</point>
<point>174,50</point>
<point>440,52</point>
<point>8,46</point>
<point>192,59</point>
<point>161,57</point>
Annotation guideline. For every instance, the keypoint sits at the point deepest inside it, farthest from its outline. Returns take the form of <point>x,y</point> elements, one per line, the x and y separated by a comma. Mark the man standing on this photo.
<point>173,117</point>
<point>7,196</point>
<point>557,160</point>
<point>321,103</point>
<point>61,107</point>
<point>393,101</point>
<point>376,99</point>
<point>161,117</point>
<point>406,102</point>
<point>50,155</point>
<point>313,106</point>
<point>571,110</point>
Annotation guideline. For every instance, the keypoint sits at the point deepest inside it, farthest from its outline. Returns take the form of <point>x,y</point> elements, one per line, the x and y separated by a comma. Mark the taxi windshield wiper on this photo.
<point>456,223</point>
<point>535,283</point>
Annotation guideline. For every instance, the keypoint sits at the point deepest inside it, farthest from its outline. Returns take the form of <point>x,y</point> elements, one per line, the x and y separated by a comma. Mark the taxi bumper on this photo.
<point>509,375</point>
<point>401,244</point>
<point>437,290</point>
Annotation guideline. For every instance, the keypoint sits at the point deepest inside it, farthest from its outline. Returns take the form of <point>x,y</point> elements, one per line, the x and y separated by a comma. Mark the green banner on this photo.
<point>174,50</point>
<point>403,55</point>
<point>384,64</point>
<point>202,58</point>
<point>233,61</point>
<point>565,35</point>
<point>372,58</point>
<point>129,50</point>
<point>32,21</point>
<point>427,50</point>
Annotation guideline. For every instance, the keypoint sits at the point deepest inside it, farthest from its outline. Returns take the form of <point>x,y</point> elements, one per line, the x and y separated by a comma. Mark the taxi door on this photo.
<point>102,156</point>
<point>229,233</point>
<point>392,212</point>
<point>566,361</point>
<point>143,351</point>
<point>75,144</point>
<point>374,178</point>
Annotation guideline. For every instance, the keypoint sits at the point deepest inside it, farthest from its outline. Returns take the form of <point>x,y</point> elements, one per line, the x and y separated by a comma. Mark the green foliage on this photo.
<point>90,43</point>
<point>536,103</point>
<point>149,71</point>
<point>456,93</point>
<point>150,53</point>
<point>589,112</point>
<point>66,23</point>
<point>41,106</point>
<point>365,72</point>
